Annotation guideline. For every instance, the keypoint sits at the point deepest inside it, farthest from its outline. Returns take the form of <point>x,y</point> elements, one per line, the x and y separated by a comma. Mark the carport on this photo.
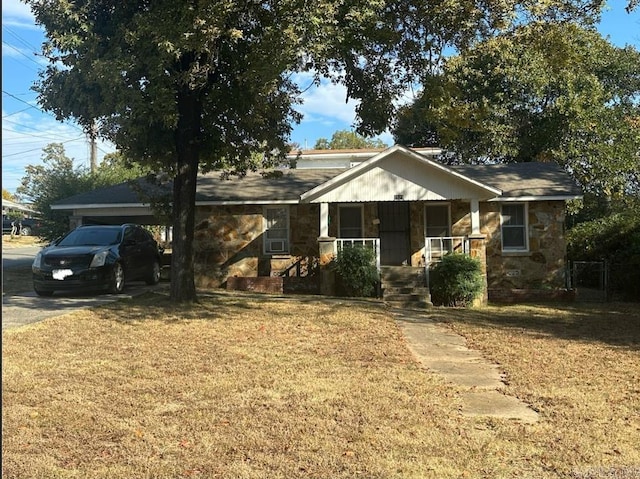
<point>129,202</point>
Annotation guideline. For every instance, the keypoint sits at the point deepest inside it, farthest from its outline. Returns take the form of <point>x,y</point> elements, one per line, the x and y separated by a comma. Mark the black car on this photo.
<point>97,258</point>
<point>25,227</point>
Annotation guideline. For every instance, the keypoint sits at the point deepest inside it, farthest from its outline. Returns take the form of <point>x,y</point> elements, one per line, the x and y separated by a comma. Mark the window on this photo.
<point>350,221</point>
<point>514,227</point>
<point>437,220</point>
<point>276,230</point>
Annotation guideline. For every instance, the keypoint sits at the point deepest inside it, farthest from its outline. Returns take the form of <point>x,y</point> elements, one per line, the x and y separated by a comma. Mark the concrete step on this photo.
<point>402,273</point>
<point>408,304</point>
<point>405,289</point>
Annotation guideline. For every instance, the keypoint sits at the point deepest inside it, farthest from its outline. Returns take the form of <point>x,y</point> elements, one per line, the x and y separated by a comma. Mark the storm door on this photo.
<point>394,232</point>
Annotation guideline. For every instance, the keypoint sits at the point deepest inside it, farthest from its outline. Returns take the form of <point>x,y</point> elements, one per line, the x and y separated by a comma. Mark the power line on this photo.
<point>39,149</point>
<point>21,53</point>
<point>20,39</point>
<point>16,112</point>
<point>19,137</point>
<point>42,111</point>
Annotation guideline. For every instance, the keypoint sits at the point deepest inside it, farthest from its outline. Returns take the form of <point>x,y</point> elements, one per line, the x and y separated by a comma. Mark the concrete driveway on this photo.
<point>27,308</point>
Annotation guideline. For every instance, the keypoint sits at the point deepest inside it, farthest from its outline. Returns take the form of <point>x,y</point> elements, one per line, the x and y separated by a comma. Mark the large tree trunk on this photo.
<point>184,197</point>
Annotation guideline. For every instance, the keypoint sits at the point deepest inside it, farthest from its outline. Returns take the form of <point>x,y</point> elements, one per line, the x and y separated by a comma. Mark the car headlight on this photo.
<point>99,259</point>
<point>37,261</point>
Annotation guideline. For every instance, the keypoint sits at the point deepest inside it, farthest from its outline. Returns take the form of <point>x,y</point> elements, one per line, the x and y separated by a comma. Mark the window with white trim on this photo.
<point>437,219</point>
<point>350,218</point>
<point>276,230</point>
<point>513,219</point>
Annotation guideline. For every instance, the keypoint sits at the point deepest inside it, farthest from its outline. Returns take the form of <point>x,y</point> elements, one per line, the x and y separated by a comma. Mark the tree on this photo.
<point>6,195</point>
<point>116,168</point>
<point>183,86</point>
<point>345,139</point>
<point>56,178</point>
<point>541,92</point>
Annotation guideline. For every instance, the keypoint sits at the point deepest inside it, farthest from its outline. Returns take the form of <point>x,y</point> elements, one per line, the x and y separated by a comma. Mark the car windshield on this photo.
<point>91,237</point>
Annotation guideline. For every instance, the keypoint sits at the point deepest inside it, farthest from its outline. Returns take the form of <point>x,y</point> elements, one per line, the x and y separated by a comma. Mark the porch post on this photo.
<point>475,216</point>
<point>324,220</point>
<point>478,249</point>
<point>327,250</point>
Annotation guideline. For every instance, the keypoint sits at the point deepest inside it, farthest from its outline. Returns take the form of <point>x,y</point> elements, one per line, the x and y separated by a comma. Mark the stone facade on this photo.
<point>543,266</point>
<point>229,242</point>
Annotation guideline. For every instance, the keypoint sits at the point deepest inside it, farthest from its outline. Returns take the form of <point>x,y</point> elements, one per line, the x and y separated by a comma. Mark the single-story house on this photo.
<point>400,201</point>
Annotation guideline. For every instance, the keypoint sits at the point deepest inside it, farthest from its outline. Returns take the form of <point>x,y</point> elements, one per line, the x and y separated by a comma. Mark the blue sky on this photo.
<point>26,130</point>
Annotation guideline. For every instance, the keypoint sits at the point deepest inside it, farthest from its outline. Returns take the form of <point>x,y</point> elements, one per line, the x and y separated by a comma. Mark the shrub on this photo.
<point>456,280</point>
<point>616,239</point>
<point>356,270</point>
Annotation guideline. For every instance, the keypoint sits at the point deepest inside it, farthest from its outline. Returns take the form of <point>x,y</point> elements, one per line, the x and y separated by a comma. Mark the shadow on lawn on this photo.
<point>617,324</point>
<point>215,305</point>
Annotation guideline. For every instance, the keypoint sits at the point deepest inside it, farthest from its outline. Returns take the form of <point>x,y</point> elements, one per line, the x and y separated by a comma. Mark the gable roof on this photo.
<point>500,182</point>
<point>399,171</point>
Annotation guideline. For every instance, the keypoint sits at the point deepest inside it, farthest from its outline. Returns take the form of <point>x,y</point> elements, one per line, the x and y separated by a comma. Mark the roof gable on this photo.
<point>399,174</point>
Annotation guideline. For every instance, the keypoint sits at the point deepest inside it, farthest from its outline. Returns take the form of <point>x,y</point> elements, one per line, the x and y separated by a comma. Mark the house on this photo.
<point>402,202</point>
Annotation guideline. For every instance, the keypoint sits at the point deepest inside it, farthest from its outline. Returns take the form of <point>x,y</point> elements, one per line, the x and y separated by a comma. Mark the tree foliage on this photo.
<point>44,184</point>
<point>6,195</point>
<point>58,178</point>
<point>616,239</point>
<point>189,86</point>
<point>345,139</point>
<point>541,92</point>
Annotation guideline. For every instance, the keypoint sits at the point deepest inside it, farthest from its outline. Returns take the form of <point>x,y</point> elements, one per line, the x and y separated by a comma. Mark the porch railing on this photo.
<point>435,247</point>
<point>373,243</point>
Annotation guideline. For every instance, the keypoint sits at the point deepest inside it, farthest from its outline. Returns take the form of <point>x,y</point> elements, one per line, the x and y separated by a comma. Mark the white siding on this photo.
<point>398,178</point>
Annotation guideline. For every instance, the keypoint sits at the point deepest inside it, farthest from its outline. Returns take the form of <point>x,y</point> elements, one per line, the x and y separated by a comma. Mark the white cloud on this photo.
<point>14,12</point>
<point>326,102</point>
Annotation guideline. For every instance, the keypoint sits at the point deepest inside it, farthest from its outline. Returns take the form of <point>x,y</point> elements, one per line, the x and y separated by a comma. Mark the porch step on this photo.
<point>405,286</point>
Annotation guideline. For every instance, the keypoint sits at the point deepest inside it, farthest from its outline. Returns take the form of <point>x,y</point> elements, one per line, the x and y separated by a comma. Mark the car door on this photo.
<point>131,253</point>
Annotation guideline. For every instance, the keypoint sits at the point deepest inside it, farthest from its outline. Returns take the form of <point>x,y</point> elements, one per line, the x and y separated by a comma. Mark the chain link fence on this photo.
<point>601,281</point>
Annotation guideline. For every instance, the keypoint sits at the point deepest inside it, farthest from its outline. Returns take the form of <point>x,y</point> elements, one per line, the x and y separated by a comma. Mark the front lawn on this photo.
<point>244,387</point>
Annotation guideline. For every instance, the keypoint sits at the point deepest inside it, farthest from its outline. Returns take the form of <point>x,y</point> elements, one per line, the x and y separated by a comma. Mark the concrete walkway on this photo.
<point>445,353</point>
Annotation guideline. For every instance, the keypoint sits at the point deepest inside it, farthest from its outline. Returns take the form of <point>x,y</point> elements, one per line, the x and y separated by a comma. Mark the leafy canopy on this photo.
<point>345,139</point>
<point>541,92</point>
<point>57,178</point>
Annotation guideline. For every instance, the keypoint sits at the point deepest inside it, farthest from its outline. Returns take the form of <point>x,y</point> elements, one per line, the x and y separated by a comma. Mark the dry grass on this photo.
<point>238,387</point>
<point>20,241</point>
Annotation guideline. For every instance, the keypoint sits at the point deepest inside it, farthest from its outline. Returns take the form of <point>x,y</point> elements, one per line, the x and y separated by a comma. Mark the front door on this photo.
<point>394,233</point>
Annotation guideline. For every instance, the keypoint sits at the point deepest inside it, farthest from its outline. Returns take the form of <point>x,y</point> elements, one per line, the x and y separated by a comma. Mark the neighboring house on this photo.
<point>23,215</point>
<point>400,201</point>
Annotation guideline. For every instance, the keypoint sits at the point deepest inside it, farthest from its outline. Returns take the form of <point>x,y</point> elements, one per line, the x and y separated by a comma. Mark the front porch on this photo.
<point>407,284</point>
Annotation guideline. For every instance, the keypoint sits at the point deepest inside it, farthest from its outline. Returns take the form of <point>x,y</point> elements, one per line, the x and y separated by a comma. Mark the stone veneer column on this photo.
<point>327,249</point>
<point>478,249</point>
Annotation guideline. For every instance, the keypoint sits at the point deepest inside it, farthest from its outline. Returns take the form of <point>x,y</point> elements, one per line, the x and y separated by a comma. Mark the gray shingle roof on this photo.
<point>523,179</point>
<point>515,180</point>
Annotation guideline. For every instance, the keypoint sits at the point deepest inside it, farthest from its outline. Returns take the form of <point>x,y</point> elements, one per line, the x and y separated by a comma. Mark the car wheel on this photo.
<point>117,279</point>
<point>154,275</point>
<point>25,231</point>
<point>41,292</point>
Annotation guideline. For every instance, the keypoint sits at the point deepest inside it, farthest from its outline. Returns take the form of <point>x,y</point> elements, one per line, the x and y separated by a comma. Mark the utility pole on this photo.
<point>93,134</point>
